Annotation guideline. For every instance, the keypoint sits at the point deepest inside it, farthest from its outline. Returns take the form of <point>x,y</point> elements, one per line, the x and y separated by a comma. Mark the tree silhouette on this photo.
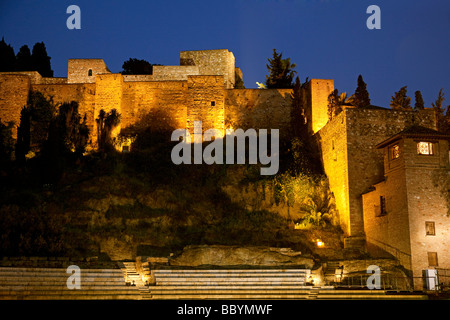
<point>23,135</point>
<point>239,83</point>
<point>400,101</point>
<point>298,121</point>
<point>336,101</point>
<point>6,141</point>
<point>136,66</point>
<point>106,122</point>
<point>361,94</point>
<point>35,119</point>
<point>40,60</point>
<point>281,73</point>
<point>441,112</point>
<point>68,132</point>
<point>419,105</point>
<point>23,59</point>
<point>7,57</point>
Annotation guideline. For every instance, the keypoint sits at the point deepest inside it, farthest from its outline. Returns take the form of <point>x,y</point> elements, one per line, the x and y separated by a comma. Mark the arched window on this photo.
<point>90,73</point>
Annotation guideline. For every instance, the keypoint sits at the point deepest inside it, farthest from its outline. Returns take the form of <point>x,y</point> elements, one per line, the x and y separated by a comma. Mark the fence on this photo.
<point>387,282</point>
<point>395,283</point>
<point>443,279</point>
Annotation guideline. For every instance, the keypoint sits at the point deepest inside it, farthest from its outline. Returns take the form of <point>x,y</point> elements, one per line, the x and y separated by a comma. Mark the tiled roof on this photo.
<point>414,131</point>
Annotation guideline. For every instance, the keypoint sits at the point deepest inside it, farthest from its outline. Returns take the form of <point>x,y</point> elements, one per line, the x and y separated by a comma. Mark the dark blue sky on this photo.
<point>325,38</point>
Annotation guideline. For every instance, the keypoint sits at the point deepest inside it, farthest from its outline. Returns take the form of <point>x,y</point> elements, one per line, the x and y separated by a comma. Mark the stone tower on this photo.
<point>407,212</point>
<point>351,161</point>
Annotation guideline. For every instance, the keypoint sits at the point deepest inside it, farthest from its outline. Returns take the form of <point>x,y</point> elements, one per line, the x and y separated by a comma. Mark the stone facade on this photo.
<point>318,91</point>
<point>350,159</point>
<point>85,70</point>
<point>407,213</point>
<point>14,90</point>
<point>212,62</point>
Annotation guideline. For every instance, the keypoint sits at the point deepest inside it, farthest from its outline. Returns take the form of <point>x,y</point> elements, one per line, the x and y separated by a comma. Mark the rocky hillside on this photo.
<point>122,205</point>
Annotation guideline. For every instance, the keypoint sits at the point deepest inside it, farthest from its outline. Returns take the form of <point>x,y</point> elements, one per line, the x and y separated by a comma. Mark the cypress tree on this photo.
<point>400,101</point>
<point>438,108</point>
<point>361,94</point>
<point>419,105</point>
<point>23,59</point>
<point>281,73</point>
<point>7,57</point>
<point>298,122</point>
<point>40,60</point>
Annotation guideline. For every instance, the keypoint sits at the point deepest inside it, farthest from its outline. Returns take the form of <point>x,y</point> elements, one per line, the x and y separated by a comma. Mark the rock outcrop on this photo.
<point>236,255</point>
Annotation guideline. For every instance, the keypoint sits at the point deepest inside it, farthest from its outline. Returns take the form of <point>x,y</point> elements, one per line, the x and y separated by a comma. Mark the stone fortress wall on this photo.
<point>200,88</point>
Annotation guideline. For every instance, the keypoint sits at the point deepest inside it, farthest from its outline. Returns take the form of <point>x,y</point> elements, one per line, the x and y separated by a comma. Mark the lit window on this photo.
<point>429,228</point>
<point>90,73</point>
<point>432,259</point>
<point>395,152</point>
<point>425,148</point>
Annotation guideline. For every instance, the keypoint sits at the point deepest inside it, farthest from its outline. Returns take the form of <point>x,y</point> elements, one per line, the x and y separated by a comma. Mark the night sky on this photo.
<point>326,39</point>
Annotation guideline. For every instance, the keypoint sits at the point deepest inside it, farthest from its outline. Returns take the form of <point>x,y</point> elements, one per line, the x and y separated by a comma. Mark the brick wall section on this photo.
<point>332,140</point>
<point>415,189</point>
<point>141,98</point>
<point>35,77</point>
<point>389,232</point>
<point>317,108</point>
<point>258,109</point>
<point>14,89</point>
<point>426,179</point>
<point>174,72</point>
<point>53,81</point>
<point>212,62</point>
<point>137,77</point>
<point>78,70</point>
<point>205,102</point>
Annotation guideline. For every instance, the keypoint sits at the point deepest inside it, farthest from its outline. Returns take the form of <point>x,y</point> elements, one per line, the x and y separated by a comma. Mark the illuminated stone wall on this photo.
<point>389,232</point>
<point>13,97</point>
<point>78,70</point>
<point>205,102</point>
<point>212,62</point>
<point>317,108</point>
<point>332,140</point>
<point>168,98</point>
<point>174,72</point>
<point>259,109</point>
<point>427,185</point>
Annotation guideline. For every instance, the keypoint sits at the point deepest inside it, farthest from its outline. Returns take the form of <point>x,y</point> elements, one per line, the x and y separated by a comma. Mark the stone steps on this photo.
<point>282,294</point>
<point>73,297</point>
<point>229,284</point>
<point>252,284</point>
<point>51,283</point>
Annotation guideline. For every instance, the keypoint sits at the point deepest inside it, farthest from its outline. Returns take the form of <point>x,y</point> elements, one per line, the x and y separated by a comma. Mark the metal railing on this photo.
<point>359,281</point>
<point>395,283</point>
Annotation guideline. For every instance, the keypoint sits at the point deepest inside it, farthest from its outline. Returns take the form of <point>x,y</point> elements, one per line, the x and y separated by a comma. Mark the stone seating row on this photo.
<point>51,284</point>
<point>229,283</point>
<point>252,284</point>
